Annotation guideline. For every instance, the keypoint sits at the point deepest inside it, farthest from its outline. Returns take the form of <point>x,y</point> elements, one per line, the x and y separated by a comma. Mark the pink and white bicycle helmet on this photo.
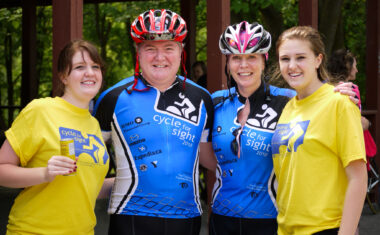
<point>245,38</point>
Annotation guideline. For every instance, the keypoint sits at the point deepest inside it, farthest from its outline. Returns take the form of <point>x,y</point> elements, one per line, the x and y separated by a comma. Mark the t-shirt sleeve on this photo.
<point>23,136</point>
<point>350,140</point>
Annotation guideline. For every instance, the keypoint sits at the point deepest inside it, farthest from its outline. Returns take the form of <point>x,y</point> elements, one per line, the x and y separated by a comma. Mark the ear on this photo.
<point>318,61</point>
<point>63,79</point>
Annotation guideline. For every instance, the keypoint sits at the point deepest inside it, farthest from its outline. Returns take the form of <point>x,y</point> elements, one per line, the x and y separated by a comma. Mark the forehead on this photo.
<point>81,56</point>
<point>295,46</point>
<point>159,44</point>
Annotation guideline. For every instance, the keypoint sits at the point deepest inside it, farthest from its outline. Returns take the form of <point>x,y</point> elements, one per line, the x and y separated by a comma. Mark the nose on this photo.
<point>159,55</point>
<point>292,63</point>
<point>243,63</point>
<point>89,71</point>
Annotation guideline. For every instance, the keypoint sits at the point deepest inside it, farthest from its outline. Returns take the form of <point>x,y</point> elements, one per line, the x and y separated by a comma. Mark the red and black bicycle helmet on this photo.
<point>158,25</point>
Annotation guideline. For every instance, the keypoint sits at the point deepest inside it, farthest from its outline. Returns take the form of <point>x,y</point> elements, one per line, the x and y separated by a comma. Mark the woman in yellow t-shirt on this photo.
<point>59,193</point>
<point>318,148</point>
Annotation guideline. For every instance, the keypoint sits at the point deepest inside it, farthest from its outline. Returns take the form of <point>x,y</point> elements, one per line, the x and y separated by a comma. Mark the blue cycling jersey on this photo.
<point>245,186</point>
<point>155,137</point>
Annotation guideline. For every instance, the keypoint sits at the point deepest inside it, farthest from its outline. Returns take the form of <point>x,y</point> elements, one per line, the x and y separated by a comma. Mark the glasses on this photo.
<point>235,143</point>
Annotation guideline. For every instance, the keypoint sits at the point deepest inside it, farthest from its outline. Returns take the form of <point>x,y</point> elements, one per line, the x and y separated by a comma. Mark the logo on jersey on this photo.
<point>88,144</point>
<point>142,148</point>
<point>181,107</point>
<point>184,185</point>
<point>154,163</point>
<point>143,167</point>
<point>135,139</point>
<point>138,120</point>
<point>266,119</point>
<point>219,129</point>
<point>290,135</point>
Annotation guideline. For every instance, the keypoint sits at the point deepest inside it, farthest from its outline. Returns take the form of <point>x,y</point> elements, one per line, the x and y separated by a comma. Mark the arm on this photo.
<point>365,123</point>
<point>346,89</point>
<point>206,156</point>
<point>106,188</point>
<point>356,190</point>
<point>14,176</point>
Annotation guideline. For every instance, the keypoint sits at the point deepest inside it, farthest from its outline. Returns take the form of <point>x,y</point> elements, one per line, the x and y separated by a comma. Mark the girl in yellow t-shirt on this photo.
<point>318,148</point>
<point>59,193</point>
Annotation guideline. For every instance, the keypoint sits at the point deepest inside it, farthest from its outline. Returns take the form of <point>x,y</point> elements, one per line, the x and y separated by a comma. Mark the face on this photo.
<point>198,72</point>
<point>298,65</point>
<point>246,70</point>
<point>159,62</point>
<point>84,80</point>
<point>354,70</point>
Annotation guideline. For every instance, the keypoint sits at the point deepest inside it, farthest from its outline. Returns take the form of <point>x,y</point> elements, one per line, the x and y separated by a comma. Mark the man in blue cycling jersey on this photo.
<point>157,122</point>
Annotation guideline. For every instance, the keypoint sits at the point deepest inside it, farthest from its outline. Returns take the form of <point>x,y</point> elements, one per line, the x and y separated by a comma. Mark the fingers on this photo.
<point>354,100</point>
<point>59,165</point>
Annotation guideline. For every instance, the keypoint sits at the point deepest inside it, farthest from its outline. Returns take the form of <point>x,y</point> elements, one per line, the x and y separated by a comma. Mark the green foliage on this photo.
<point>354,20</point>
<point>119,47</point>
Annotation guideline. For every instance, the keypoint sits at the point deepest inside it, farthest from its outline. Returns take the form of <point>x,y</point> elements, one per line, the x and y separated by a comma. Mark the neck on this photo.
<point>248,91</point>
<point>84,104</point>
<point>310,89</point>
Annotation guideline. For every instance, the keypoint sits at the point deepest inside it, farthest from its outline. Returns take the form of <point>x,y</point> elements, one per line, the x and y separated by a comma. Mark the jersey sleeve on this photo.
<point>350,140</point>
<point>23,136</point>
<point>207,132</point>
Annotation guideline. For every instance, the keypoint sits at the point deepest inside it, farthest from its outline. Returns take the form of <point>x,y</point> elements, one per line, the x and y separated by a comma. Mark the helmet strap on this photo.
<point>136,76</point>
<point>183,62</point>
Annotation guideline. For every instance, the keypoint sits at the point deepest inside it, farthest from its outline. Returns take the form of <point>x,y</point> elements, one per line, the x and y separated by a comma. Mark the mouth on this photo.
<point>160,66</point>
<point>245,74</point>
<point>295,75</point>
<point>88,83</point>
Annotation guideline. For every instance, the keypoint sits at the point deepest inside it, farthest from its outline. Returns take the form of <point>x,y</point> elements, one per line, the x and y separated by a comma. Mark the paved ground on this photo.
<point>369,223</point>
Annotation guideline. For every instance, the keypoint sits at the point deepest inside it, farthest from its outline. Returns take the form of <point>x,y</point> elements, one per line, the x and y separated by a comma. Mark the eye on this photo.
<point>79,67</point>
<point>284,59</point>
<point>236,58</point>
<point>96,66</point>
<point>300,57</point>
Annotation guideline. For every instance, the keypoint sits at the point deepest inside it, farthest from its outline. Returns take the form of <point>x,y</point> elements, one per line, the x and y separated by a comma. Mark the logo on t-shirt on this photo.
<point>87,144</point>
<point>290,135</point>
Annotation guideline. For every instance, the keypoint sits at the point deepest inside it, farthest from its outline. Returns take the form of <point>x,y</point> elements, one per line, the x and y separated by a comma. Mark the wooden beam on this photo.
<point>67,25</point>
<point>373,69</point>
<point>29,84</point>
<point>218,18</point>
<point>308,13</point>
<point>189,15</point>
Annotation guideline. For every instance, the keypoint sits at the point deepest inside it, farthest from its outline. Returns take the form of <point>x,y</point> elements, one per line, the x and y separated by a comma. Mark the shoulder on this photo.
<point>110,95</point>
<point>220,96</point>
<point>40,104</point>
<point>194,86</point>
<point>277,91</point>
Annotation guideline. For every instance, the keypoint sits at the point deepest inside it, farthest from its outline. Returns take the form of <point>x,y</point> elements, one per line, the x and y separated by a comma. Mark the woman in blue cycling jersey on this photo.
<point>245,118</point>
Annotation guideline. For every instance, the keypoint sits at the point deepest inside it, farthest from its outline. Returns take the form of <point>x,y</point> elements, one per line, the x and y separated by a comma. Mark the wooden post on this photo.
<point>218,18</point>
<point>189,15</point>
<point>373,70</point>
<point>67,25</point>
<point>29,86</point>
<point>308,13</point>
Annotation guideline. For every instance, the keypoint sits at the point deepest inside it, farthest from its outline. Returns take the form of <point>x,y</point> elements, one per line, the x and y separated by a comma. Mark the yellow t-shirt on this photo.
<point>315,139</point>
<point>65,205</point>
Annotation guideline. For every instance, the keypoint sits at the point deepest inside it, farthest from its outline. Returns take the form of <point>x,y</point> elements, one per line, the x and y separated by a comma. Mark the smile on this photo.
<point>245,74</point>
